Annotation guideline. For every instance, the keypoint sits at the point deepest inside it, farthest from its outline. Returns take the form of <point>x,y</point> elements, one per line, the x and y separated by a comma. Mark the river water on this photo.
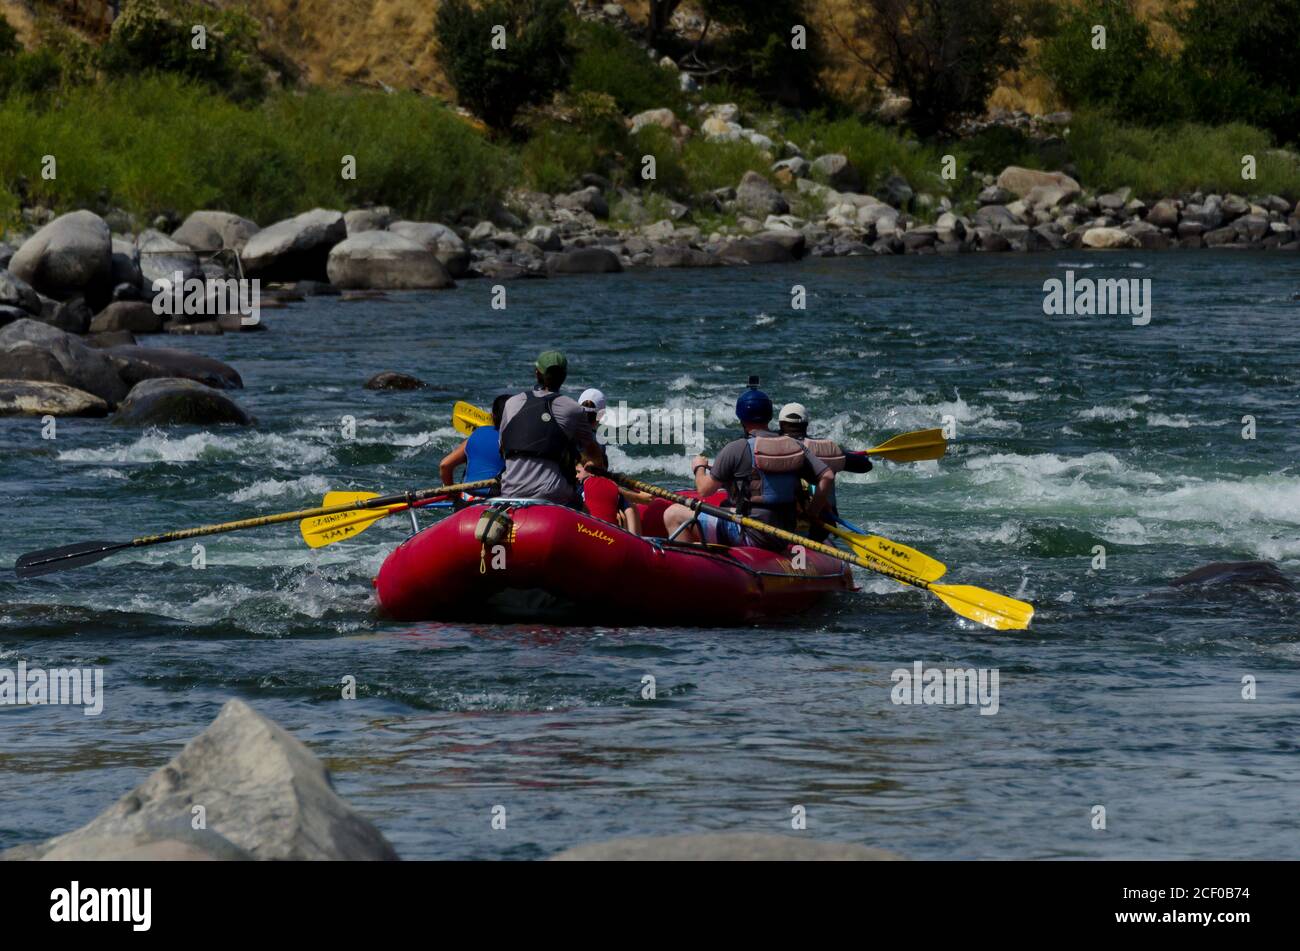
<point>1071,433</point>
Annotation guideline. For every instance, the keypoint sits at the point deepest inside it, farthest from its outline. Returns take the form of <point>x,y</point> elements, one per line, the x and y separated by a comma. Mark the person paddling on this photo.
<point>763,473</point>
<point>543,435</point>
<point>793,421</point>
<point>601,496</point>
<point>479,454</point>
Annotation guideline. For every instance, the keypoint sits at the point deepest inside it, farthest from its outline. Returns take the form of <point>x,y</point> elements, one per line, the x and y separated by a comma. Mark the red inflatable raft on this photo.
<point>559,560</point>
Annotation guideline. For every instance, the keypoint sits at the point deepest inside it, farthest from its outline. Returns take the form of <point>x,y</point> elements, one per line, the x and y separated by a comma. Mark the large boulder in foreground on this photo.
<point>585,261</point>
<point>264,795</point>
<point>724,847</point>
<point>70,256</point>
<point>295,250</point>
<point>215,231</point>
<point>31,350</point>
<point>1021,181</point>
<point>382,260</point>
<point>447,246</point>
<point>174,401</point>
<point>136,364</point>
<point>31,398</point>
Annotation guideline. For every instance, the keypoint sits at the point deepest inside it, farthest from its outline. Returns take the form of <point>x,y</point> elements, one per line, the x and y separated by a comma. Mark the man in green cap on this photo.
<point>542,436</point>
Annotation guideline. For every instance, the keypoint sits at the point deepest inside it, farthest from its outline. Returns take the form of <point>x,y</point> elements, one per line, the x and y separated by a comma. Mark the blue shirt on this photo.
<point>483,455</point>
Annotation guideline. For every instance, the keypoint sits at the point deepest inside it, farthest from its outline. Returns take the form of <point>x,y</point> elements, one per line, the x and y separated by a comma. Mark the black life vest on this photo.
<point>534,432</point>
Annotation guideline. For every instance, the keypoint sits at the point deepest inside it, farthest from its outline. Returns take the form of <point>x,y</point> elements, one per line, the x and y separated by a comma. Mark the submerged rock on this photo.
<point>392,380</point>
<point>175,401</point>
<point>1254,574</point>
<point>136,364</point>
<point>264,796</point>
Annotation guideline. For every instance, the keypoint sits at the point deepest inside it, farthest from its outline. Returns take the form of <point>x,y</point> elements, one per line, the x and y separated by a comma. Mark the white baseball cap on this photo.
<point>793,413</point>
<point>595,398</point>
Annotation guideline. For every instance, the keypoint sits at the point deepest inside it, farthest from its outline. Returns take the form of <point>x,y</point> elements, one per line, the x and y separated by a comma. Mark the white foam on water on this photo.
<point>682,382</point>
<point>312,485</point>
<point>268,449</point>
<point>1176,421</point>
<point>764,320</point>
<point>1108,414</point>
<point>106,474</point>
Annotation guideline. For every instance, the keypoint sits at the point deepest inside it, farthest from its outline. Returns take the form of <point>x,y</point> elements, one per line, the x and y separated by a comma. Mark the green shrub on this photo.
<point>671,175</point>
<point>711,165</point>
<point>162,143</point>
<point>9,44</point>
<point>610,62</point>
<point>876,152</point>
<point>495,84</point>
<point>1171,160</point>
<point>588,136</point>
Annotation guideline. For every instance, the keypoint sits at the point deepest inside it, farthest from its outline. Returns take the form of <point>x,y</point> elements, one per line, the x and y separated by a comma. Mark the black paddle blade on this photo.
<point>69,556</point>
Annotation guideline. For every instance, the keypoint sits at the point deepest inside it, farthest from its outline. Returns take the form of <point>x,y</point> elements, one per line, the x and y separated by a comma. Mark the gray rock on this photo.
<point>1047,196</point>
<point>1269,202</point>
<point>1021,181</point>
<point>71,316</point>
<point>31,350</point>
<point>994,195</point>
<point>135,364</point>
<point>585,261</point>
<point>263,792</point>
<point>1191,229</point>
<point>296,249</point>
<point>838,172</point>
<point>990,240</point>
<point>367,219</point>
<point>112,338</point>
<point>1253,574</point>
<point>71,256</point>
<point>1220,236</point>
<point>9,313</point>
<point>724,847</point>
<point>173,401</point>
<point>757,250</point>
<point>162,259</point>
<point>589,199</point>
<point>34,398</point>
<point>126,270</point>
<point>1251,227</point>
<point>793,241</point>
<point>1164,213</point>
<point>176,842</point>
<point>757,196</point>
<point>1104,238</point>
<point>135,316</point>
<point>669,255</point>
<point>215,231</point>
<point>949,227</point>
<point>6,254</point>
<point>1116,200</point>
<point>796,166</point>
<point>994,217</point>
<point>544,237</point>
<point>895,191</point>
<point>384,260</point>
<point>447,246</point>
<point>1233,207</point>
<point>17,293</point>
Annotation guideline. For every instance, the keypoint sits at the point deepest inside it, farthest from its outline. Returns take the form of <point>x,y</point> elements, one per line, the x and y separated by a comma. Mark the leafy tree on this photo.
<point>156,36</point>
<point>1241,60</point>
<point>1132,77</point>
<point>944,55</point>
<point>494,83</point>
<point>758,49</point>
<point>9,44</point>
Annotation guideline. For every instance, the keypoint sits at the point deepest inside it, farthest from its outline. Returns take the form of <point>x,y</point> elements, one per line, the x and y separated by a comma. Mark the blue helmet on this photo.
<point>754,406</point>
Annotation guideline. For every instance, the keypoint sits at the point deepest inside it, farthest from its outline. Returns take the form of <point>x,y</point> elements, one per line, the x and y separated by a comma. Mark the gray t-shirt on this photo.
<point>528,477</point>
<point>735,465</point>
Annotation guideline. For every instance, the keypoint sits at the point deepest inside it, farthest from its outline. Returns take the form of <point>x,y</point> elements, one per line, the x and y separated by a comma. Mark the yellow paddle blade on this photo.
<point>467,417</point>
<point>986,607</point>
<point>913,447</point>
<point>327,529</point>
<point>895,555</point>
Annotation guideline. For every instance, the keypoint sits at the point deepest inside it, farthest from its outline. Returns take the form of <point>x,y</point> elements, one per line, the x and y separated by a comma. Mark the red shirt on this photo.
<point>601,496</point>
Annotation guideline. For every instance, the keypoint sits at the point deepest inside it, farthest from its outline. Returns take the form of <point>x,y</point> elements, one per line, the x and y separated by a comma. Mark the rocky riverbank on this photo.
<point>76,290</point>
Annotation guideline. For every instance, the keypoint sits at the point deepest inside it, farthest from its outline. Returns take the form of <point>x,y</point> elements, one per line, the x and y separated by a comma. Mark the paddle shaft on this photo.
<point>403,500</point>
<point>699,505</point>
